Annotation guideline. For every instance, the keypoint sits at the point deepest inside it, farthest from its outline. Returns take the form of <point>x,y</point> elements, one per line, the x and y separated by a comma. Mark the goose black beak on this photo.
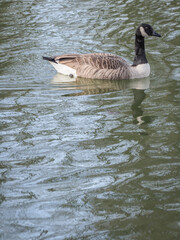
<point>155,34</point>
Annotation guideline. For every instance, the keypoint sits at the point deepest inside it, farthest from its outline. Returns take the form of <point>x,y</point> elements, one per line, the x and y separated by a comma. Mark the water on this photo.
<point>88,159</point>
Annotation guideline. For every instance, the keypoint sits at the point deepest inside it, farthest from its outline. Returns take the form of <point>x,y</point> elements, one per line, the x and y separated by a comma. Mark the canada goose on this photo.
<point>107,66</point>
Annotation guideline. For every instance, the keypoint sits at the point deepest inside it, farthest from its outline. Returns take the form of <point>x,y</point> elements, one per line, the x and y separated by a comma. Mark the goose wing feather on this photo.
<point>96,65</point>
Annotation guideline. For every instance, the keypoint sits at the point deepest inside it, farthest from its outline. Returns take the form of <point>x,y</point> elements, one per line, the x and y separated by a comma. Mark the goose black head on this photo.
<point>145,30</point>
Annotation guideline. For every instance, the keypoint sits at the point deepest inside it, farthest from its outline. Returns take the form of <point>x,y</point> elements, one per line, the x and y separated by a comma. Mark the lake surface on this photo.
<point>88,159</point>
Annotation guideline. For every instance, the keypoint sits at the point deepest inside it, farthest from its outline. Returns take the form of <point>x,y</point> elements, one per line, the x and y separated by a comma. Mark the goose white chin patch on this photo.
<point>143,33</point>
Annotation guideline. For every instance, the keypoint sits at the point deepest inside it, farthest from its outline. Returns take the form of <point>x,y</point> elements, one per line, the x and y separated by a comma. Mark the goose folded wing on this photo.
<point>95,60</point>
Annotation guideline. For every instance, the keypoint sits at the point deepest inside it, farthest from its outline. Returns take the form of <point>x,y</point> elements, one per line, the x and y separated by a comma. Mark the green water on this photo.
<point>88,159</point>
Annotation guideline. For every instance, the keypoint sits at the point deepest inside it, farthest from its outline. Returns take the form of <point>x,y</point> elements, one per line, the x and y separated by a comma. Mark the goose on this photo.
<point>105,65</point>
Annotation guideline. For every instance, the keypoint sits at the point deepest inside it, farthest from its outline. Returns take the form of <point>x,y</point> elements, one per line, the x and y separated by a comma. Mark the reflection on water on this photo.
<point>88,159</point>
<point>139,96</point>
<point>94,86</point>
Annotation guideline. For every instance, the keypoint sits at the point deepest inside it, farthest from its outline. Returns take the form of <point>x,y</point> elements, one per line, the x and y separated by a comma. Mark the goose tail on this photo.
<point>50,59</point>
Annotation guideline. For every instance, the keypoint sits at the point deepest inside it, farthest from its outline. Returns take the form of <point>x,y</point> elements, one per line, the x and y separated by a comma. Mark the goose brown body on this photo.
<point>96,65</point>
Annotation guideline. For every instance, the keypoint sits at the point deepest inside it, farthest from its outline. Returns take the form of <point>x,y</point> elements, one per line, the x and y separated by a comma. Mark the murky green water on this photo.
<point>88,159</point>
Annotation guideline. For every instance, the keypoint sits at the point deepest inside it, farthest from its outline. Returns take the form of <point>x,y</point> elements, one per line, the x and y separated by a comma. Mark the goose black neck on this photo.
<point>140,56</point>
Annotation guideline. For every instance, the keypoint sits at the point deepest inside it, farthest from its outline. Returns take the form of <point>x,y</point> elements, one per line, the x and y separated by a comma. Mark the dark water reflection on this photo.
<point>88,159</point>
<point>94,86</point>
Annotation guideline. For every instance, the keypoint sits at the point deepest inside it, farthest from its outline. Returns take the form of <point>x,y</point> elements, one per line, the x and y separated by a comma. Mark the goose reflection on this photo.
<point>94,86</point>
